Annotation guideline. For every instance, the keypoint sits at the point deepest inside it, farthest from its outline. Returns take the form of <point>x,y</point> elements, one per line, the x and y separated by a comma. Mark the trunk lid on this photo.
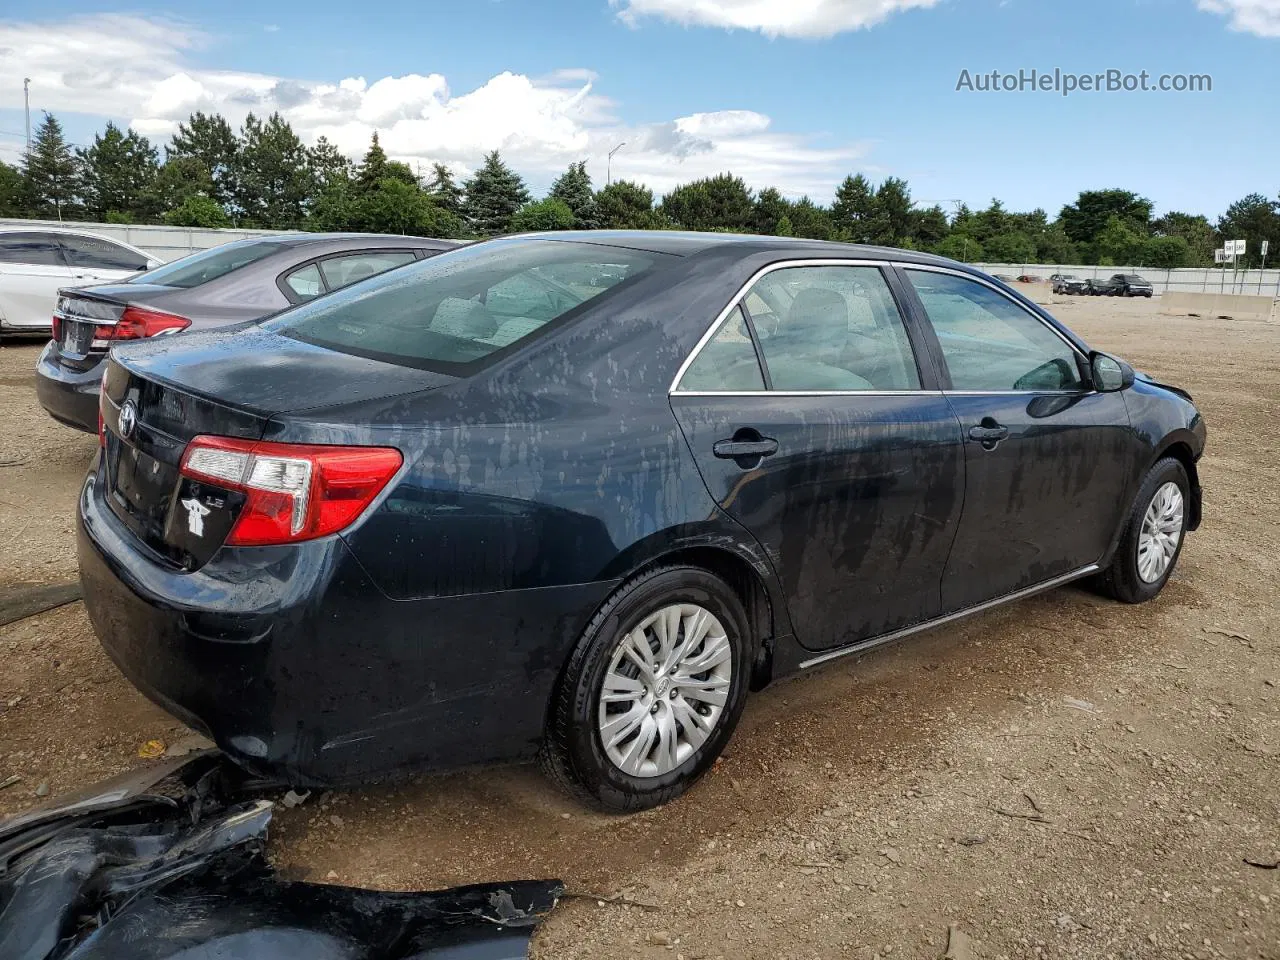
<point>159,394</point>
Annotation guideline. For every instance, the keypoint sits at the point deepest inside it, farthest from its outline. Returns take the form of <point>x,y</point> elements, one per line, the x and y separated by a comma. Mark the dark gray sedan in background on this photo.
<point>232,283</point>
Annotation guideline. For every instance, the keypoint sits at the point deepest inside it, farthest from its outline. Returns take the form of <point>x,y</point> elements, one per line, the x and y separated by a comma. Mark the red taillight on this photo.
<point>57,327</point>
<point>293,492</point>
<point>138,324</point>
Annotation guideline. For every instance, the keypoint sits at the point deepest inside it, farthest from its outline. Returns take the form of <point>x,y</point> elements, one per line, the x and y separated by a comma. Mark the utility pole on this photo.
<point>26,105</point>
<point>609,169</point>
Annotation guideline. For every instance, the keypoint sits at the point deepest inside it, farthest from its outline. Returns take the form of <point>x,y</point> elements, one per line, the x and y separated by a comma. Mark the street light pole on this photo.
<point>609,168</point>
<point>26,105</point>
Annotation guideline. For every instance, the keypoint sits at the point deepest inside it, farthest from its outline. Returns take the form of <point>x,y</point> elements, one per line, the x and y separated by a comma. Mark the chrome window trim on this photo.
<point>674,389</point>
<point>991,285</point>
<point>808,393</point>
<point>867,645</point>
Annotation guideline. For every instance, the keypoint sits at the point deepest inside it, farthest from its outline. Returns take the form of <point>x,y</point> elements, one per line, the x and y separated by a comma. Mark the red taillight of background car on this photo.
<point>138,324</point>
<point>294,492</point>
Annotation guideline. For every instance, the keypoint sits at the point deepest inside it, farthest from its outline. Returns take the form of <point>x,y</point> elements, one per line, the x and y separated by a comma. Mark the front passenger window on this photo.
<point>990,343</point>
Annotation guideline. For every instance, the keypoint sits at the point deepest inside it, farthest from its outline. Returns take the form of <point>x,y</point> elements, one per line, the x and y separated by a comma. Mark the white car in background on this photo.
<point>36,262</point>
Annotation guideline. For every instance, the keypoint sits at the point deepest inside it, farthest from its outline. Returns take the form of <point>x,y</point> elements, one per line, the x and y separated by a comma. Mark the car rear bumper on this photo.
<point>300,668</point>
<point>69,396</point>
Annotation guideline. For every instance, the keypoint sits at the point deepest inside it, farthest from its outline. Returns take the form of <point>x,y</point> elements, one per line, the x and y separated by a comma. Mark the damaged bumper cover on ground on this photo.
<point>169,863</point>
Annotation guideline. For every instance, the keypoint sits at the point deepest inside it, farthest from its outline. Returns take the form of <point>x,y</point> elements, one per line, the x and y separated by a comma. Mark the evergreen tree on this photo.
<point>374,165</point>
<point>1085,219</point>
<point>10,191</point>
<point>717,203</point>
<point>210,141</point>
<point>811,221</point>
<point>494,195</point>
<point>930,227</point>
<point>328,165</point>
<point>444,190</point>
<point>1196,230</point>
<point>274,181</point>
<point>1253,219</point>
<point>624,205</point>
<point>573,189</point>
<point>895,217</point>
<point>177,179</point>
<point>50,182</point>
<point>854,213</point>
<point>118,173</point>
<point>771,208</point>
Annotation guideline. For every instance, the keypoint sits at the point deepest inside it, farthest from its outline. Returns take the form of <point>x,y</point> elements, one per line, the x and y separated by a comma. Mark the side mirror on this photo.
<point>1110,374</point>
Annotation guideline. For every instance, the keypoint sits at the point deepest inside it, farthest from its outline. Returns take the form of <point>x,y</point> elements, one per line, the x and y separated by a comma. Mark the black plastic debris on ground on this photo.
<point>169,863</point>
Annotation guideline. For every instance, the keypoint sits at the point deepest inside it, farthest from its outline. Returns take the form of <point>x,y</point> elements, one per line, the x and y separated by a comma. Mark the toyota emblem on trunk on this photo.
<point>128,419</point>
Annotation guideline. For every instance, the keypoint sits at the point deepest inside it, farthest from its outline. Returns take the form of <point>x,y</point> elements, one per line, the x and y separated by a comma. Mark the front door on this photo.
<point>815,428</point>
<point>31,271</point>
<point>1048,459</point>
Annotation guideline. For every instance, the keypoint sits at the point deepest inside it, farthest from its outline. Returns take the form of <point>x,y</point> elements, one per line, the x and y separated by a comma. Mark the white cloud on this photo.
<point>142,71</point>
<point>773,18</point>
<point>1250,16</point>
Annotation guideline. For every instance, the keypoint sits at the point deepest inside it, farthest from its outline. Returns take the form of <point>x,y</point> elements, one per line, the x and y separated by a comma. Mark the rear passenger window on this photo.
<point>832,329</point>
<point>37,249</point>
<point>352,268</point>
<point>728,363</point>
<point>95,253</point>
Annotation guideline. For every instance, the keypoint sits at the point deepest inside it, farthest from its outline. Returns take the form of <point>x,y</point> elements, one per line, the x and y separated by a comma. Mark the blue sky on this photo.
<point>793,93</point>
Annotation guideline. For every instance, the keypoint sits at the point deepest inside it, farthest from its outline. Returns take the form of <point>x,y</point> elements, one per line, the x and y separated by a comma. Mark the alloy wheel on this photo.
<point>665,690</point>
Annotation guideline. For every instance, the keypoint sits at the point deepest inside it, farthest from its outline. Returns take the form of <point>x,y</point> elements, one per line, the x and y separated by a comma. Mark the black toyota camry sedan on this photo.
<point>575,495</point>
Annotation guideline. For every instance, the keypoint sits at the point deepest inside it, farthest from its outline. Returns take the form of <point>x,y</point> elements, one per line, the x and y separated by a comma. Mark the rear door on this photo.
<point>1047,458</point>
<point>815,427</point>
<point>32,268</point>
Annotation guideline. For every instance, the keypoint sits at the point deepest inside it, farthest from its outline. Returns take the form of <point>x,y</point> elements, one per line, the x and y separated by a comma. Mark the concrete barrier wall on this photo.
<point>1238,307</point>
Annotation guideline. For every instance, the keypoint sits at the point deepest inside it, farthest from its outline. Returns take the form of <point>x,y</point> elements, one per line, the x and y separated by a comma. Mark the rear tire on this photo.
<point>667,734</point>
<point>1153,536</point>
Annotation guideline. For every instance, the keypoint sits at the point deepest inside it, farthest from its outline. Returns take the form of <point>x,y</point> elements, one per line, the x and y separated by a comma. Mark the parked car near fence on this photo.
<point>232,283</point>
<point>1096,287</point>
<point>1131,285</point>
<point>36,263</point>
<point>1065,283</point>
<point>575,494</point>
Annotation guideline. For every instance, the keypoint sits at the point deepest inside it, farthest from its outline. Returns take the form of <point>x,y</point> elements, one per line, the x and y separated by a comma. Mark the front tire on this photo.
<point>1154,534</point>
<point>652,692</point>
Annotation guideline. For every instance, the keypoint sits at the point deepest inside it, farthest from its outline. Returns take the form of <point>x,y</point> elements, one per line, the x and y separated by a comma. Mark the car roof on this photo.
<point>683,243</point>
<point>303,239</point>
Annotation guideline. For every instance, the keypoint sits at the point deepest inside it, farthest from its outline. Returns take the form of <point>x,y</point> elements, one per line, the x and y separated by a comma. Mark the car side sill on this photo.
<point>866,645</point>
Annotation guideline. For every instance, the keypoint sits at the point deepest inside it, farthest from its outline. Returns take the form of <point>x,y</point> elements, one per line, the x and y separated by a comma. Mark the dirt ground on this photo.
<point>1065,777</point>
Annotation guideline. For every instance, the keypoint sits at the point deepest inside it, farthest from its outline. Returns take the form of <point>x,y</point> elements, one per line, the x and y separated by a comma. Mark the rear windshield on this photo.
<point>209,265</point>
<point>457,309</point>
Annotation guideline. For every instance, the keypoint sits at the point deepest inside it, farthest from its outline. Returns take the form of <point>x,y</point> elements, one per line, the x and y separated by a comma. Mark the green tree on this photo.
<point>375,167</point>
<point>624,205</point>
<point>393,206</point>
<point>1091,214</point>
<point>930,227</point>
<point>1253,219</point>
<point>49,177</point>
<point>1011,247</point>
<point>209,140</point>
<point>854,214</point>
<point>549,214</point>
<point>494,194</point>
<point>811,221</point>
<point>328,166</point>
<point>444,190</point>
<point>178,179</point>
<point>717,203</point>
<point>274,180</point>
<point>895,214</point>
<point>198,210</point>
<point>573,189</point>
<point>1196,230</point>
<point>1119,244</point>
<point>1167,253</point>
<point>962,247</point>
<point>784,228</point>
<point>770,209</point>
<point>11,194</point>
<point>118,173</point>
